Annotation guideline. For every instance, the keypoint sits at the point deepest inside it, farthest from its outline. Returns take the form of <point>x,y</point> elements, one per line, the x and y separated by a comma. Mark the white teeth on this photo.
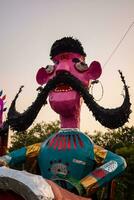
<point>62,90</point>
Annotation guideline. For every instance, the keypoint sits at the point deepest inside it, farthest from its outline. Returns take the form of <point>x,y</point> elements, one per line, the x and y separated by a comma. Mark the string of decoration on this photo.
<point>118,44</point>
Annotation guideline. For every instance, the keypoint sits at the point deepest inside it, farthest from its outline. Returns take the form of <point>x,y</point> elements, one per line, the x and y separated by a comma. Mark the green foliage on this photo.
<point>114,139</point>
<point>38,133</point>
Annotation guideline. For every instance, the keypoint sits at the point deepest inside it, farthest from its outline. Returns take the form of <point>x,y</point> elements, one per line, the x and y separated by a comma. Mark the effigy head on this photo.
<point>68,56</point>
<point>2,109</point>
<point>66,83</point>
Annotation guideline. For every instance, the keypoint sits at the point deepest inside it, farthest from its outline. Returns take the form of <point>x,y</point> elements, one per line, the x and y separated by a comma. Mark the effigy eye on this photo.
<point>81,66</point>
<point>75,60</point>
<point>56,62</point>
<point>49,69</point>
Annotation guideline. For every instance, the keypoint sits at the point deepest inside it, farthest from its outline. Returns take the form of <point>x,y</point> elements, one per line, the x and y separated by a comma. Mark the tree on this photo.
<point>114,139</point>
<point>38,133</point>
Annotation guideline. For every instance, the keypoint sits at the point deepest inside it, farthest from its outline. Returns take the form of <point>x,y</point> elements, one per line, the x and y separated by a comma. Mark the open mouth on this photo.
<point>63,88</point>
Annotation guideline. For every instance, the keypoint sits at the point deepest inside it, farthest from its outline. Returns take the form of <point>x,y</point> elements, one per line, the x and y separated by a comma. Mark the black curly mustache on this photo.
<point>110,118</point>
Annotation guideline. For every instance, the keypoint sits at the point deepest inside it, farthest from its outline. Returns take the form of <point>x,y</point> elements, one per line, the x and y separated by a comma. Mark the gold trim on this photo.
<point>99,154</point>
<point>88,181</point>
<point>33,150</point>
<point>90,184</point>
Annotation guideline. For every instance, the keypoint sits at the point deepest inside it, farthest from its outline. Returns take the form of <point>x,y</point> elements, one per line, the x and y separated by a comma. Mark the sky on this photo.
<point>28,28</point>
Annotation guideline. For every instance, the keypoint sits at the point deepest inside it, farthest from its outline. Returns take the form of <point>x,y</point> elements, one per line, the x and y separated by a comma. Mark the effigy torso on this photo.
<point>67,154</point>
<point>67,157</point>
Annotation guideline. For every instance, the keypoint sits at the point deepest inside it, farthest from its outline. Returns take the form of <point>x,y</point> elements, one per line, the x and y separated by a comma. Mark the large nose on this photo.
<point>62,67</point>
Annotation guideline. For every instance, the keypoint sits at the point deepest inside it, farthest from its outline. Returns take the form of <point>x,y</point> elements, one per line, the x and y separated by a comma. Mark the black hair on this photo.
<point>66,44</point>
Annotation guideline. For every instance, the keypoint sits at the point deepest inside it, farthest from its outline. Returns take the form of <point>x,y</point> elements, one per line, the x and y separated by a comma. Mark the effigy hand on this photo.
<point>62,194</point>
<point>2,163</point>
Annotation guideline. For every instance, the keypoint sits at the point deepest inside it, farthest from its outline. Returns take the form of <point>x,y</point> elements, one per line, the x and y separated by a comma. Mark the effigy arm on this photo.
<point>20,155</point>
<point>110,166</point>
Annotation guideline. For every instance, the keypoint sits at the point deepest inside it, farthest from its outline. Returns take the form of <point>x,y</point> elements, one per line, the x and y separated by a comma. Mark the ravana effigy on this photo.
<point>69,157</point>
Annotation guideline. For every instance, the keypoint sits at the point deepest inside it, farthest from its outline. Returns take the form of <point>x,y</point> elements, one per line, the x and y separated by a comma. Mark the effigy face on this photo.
<point>63,99</point>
